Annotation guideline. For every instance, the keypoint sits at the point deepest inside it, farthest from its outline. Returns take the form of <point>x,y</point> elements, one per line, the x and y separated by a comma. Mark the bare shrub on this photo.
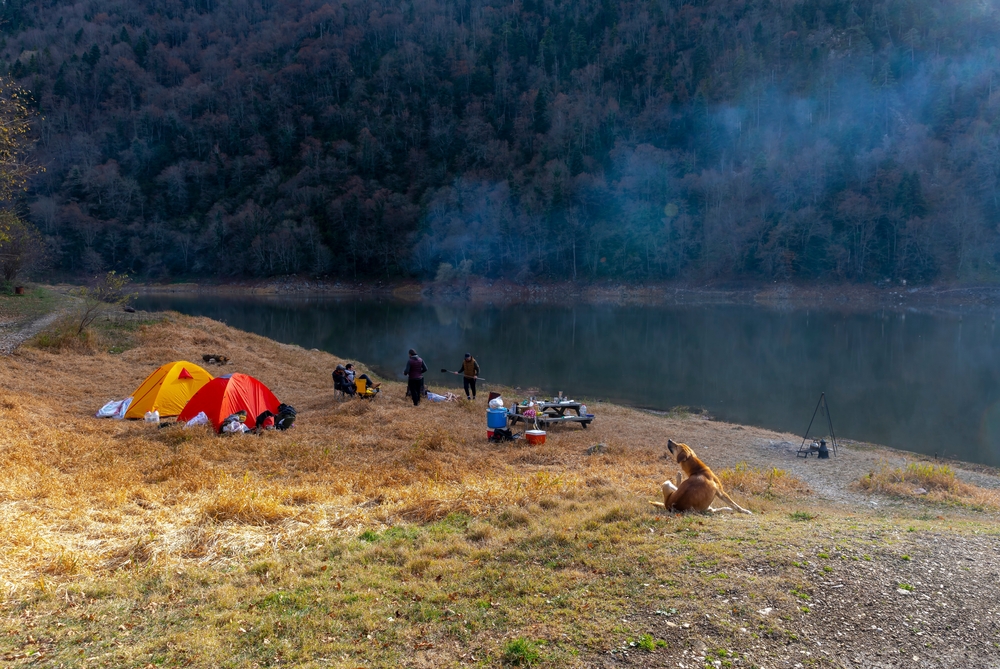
<point>766,482</point>
<point>929,481</point>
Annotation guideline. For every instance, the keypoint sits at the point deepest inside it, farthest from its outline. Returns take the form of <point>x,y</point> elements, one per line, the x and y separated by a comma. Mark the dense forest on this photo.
<point>638,140</point>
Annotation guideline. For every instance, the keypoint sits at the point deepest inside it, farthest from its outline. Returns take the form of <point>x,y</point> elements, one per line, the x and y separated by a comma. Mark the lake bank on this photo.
<point>924,381</point>
<point>839,297</point>
<point>392,535</point>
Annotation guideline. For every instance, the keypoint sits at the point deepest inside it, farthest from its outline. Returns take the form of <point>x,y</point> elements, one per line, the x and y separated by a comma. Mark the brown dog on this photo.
<point>699,489</point>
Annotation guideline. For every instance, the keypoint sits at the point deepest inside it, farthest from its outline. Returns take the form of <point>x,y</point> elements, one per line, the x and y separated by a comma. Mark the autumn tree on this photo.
<point>21,245</point>
<point>16,119</point>
<point>102,293</point>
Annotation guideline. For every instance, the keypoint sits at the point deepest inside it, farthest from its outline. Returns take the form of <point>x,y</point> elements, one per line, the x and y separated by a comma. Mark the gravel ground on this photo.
<point>861,619</point>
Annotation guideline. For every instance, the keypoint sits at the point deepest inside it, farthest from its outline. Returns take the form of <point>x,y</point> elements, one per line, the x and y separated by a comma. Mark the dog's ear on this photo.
<point>670,445</point>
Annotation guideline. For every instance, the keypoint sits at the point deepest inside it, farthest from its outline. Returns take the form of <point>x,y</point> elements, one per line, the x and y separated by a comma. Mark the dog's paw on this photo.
<point>669,485</point>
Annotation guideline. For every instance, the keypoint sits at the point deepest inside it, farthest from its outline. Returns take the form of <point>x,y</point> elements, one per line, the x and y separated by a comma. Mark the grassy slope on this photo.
<point>379,534</point>
<point>36,301</point>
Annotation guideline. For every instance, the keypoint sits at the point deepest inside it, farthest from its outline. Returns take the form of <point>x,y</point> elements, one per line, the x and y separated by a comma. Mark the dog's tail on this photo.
<point>659,504</point>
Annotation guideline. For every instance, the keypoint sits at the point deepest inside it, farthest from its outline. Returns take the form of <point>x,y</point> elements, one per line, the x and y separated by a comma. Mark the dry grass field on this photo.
<point>382,534</point>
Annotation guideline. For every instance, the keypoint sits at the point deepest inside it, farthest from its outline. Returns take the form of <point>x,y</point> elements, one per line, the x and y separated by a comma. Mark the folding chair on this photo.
<point>364,391</point>
<point>338,393</point>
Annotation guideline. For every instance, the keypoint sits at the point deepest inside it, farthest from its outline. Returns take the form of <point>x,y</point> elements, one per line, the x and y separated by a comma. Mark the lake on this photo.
<point>922,382</point>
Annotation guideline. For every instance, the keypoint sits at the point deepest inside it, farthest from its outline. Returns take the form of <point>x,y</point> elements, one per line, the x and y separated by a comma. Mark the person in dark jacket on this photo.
<point>341,381</point>
<point>415,369</point>
<point>469,372</point>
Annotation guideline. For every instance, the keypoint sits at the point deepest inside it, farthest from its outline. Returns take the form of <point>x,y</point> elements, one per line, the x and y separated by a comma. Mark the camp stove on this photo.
<point>819,447</point>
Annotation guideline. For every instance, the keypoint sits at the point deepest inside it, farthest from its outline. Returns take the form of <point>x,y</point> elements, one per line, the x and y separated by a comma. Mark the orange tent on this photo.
<point>228,394</point>
<point>168,389</point>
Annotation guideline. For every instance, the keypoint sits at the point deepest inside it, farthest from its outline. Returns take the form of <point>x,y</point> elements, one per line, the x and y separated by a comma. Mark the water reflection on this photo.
<point>920,382</point>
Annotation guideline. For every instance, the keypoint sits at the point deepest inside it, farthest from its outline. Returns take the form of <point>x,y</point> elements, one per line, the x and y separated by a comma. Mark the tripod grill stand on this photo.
<point>820,449</point>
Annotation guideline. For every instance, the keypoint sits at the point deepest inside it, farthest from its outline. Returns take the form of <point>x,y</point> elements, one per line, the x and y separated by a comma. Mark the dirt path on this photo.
<point>14,334</point>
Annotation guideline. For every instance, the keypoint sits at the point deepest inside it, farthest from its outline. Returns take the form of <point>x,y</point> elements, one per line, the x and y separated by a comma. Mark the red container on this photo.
<point>489,434</point>
<point>535,437</point>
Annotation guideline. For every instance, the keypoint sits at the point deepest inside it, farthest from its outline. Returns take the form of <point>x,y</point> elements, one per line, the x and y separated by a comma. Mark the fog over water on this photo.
<point>914,381</point>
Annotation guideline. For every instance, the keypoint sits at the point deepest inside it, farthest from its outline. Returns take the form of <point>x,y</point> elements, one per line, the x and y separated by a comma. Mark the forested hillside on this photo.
<point>533,139</point>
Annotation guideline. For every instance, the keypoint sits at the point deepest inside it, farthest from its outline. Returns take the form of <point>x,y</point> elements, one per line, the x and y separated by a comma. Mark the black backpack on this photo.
<point>502,435</point>
<point>259,421</point>
<point>285,417</point>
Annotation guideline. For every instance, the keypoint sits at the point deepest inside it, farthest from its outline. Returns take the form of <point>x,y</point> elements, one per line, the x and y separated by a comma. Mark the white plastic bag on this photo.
<point>434,397</point>
<point>200,419</point>
<point>235,427</point>
<point>496,403</point>
<point>114,409</point>
<point>153,416</point>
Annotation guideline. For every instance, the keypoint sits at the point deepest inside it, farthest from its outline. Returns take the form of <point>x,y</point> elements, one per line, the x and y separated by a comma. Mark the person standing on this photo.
<point>415,369</point>
<point>469,372</point>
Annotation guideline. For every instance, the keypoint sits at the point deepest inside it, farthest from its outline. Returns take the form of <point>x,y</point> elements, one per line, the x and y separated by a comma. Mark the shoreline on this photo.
<point>944,297</point>
<point>685,296</point>
<point>868,447</point>
<point>871,449</point>
<point>304,290</point>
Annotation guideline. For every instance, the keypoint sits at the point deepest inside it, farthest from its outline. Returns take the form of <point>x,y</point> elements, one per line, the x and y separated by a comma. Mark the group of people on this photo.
<point>416,368</point>
<point>345,378</point>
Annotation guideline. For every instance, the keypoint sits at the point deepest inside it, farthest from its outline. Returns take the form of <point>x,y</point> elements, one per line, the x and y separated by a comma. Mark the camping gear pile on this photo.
<point>535,415</point>
<point>233,404</point>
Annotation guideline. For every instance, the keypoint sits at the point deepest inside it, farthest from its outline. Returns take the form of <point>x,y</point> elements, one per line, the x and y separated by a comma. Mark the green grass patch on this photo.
<point>648,643</point>
<point>521,652</point>
<point>34,303</point>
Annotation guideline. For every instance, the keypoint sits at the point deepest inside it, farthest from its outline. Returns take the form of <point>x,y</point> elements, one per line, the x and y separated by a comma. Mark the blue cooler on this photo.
<point>496,418</point>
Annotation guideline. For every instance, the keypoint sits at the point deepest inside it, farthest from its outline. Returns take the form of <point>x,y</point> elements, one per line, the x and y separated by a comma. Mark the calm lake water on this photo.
<point>913,381</point>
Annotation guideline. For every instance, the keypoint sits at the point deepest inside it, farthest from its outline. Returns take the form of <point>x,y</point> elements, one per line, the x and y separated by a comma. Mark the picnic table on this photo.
<point>551,413</point>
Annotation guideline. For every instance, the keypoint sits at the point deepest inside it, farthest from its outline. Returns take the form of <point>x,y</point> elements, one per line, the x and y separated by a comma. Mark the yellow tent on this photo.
<point>168,389</point>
